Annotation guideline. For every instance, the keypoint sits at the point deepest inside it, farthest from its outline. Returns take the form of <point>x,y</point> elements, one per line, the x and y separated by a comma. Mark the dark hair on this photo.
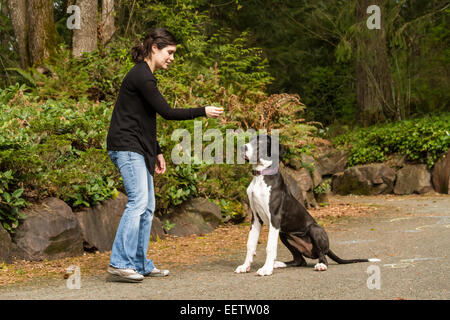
<point>159,36</point>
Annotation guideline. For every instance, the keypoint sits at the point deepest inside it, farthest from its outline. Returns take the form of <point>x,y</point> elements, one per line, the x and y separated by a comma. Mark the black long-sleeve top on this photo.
<point>133,122</point>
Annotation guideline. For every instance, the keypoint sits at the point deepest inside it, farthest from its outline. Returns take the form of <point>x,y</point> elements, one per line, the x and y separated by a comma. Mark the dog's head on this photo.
<point>263,150</point>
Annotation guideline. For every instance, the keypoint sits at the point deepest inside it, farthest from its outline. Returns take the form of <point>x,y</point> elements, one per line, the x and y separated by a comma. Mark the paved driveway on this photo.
<point>411,236</point>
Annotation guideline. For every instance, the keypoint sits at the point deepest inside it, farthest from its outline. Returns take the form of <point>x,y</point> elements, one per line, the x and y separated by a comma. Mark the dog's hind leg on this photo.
<point>321,246</point>
<point>298,261</point>
<point>322,265</point>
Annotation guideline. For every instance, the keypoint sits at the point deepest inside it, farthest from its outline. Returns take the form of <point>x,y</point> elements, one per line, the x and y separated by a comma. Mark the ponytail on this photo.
<point>159,36</point>
<point>138,53</point>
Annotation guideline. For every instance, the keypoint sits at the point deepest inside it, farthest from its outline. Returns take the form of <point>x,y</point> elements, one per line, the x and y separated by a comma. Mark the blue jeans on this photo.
<point>133,234</point>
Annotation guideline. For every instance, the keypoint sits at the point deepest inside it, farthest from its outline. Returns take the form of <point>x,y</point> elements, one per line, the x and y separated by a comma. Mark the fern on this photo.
<point>27,75</point>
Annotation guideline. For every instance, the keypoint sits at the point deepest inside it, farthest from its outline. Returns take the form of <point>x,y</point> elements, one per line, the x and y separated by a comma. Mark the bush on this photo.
<point>96,75</point>
<point>421,140</point>
<point>52,148</point>
<point>10,202</point>
<point>178,184</point>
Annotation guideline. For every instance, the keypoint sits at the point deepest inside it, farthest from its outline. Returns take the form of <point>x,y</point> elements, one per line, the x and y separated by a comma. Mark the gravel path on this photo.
<point>411,236</point>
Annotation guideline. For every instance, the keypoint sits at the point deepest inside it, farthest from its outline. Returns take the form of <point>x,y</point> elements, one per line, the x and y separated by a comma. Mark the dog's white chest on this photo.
<point>259,197</point>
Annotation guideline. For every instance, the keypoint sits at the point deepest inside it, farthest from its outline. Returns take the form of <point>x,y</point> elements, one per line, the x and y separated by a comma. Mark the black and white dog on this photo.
<point>273,204</point>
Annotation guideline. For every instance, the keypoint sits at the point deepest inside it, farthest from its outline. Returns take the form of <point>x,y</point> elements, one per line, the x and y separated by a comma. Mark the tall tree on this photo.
<point>34,29</point>
<point>373,75</point>
<point>108,27</point>
<point>18,14</point>
<point>6,54</point>
<point>42,35</point>
<point>85,38</point>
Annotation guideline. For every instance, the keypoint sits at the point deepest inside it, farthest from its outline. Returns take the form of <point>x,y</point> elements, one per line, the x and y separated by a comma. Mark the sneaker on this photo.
<point>124,275</point>
<point>157,273</point>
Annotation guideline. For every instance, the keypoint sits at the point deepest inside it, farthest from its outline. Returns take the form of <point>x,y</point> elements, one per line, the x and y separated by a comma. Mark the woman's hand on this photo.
<point>213,112</point>
<point>160,164</point>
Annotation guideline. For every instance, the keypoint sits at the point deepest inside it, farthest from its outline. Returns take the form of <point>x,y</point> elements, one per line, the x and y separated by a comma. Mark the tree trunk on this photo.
<point>5,36</point>
<point>85,38</point>
<point>42,33</point>
<point>18,14</point>
<point>34,29</point>
<point>108,27</point>
<point>373,75</point>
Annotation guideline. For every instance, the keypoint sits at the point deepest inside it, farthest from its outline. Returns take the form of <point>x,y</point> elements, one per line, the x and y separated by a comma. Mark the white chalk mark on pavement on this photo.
<point>405,263</point>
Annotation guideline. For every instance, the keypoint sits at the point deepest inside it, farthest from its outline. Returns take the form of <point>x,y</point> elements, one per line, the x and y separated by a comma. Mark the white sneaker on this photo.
<point>157,273</point>
<point>124,275</point>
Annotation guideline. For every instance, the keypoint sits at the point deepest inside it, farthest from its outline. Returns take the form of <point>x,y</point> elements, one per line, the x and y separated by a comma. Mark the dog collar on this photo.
<point>265,172</point>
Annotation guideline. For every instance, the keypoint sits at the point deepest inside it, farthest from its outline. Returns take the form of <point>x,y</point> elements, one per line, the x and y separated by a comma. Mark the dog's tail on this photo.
<point>342,261</point>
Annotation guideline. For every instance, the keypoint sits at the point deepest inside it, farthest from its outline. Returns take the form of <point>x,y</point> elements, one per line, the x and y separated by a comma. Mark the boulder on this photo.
<point>396,161</point>
<point>194,216</point>
<point>302,177</point>
<point>312,166</point>
<point>310,200</point>
<point>300,184</point>
<point>295,164</point>
<point>99,224</point>
<point>50,231</point>
<point>322,197</point>
<point>307,163</point>
<point>441,174</point>
<point>413,179</point>
<point>369,179</point>
<point>5,246</point>
<point>331,162</point>
<point>157,230</point>
<point>293,186</point>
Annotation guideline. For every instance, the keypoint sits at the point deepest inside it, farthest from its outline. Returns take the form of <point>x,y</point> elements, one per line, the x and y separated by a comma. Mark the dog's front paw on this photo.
<point>265,271</point>
<point>242,268</point>
<point>279,264</point>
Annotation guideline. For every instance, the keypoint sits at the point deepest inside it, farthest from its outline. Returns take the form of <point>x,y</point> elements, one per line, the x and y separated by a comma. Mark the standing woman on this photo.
<point>132,147</point>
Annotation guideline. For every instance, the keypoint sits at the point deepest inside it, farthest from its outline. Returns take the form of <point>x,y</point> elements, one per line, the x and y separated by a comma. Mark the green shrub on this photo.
<point>178,184</point>
<point>231,210</point>
<point>323,187</point>
<point>238,64</point>
<point>421,140</point>
<point>91,193</point>
<point>56,147</point>
<point>96,75</point>
<point>10,202</point>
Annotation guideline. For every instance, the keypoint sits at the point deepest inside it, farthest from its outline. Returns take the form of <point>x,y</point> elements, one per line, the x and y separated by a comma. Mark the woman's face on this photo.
<point>163,57</point>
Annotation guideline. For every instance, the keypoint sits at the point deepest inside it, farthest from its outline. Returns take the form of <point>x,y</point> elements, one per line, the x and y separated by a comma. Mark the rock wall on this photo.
<point>394,176</point>
<point>5,246</point>
<point>441,174</point>
<point>52,230</point>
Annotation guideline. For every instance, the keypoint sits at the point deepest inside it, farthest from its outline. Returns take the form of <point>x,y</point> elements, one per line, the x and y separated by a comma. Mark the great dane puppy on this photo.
<point>272,203</point>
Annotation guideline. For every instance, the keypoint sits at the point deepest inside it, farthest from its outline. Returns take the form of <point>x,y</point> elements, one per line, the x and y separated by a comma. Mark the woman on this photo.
<point>132,146</point>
